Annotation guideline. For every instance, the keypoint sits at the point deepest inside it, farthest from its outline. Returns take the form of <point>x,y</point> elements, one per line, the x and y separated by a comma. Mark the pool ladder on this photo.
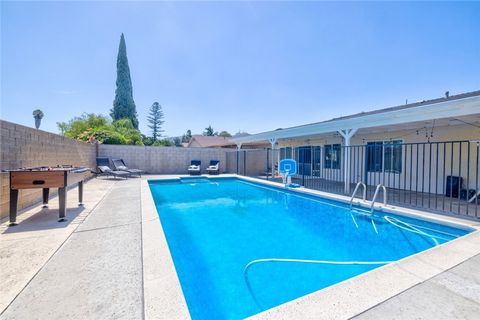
<point>359,184</point>
<point>375,195</point>
<point>377,190</point>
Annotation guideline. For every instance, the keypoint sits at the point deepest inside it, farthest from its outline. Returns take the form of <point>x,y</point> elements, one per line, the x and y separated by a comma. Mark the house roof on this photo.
<point>411,105</point>
<point>210,141</point>
<point>453,106</point>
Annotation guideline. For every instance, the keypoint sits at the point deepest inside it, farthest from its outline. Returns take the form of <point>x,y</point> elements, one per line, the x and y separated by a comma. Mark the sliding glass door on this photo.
<point>303,155</point>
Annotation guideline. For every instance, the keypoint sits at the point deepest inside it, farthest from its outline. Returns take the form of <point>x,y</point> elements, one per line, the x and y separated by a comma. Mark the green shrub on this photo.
<point>163,143</point>
<point>109,137</point>
<point>97,126</point>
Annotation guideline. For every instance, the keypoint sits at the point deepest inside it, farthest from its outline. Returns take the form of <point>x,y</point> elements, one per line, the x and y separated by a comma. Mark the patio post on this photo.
<point>273,141</point>
<point>347,134</point>
<point>239,146</point>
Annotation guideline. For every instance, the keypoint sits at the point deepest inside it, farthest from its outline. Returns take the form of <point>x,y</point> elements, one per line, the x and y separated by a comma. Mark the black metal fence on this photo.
<point>434,176</point>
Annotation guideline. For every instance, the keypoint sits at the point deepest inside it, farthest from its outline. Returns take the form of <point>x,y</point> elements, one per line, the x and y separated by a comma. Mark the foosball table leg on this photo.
<point>80,193</point>
<point>45,197</point>
<point>62,210</point>
<point>13,206</point>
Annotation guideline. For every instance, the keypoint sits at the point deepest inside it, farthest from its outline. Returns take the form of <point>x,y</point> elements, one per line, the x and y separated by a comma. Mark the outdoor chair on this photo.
<point>103,166</point>
<point>214,167</point>
<point>107,171</point>
<point>194,168</point>
<point>120,165</point>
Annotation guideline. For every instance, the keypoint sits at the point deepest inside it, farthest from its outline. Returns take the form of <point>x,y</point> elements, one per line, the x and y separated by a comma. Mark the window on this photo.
<point>384,156</point>
<point>304,160</point>
<point>333,156</point>
<point>317,156</point>
<point>374,156</point>
<point>317,159</point>
<point>393,156</point>
<point>285,153</point>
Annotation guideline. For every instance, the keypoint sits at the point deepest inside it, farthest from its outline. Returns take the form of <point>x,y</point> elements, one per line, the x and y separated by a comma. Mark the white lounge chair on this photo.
<point>194,168</point>
<point>214,167</point>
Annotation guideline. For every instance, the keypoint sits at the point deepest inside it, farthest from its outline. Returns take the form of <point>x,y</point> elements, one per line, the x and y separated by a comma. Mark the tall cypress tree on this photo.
<point>123,105</point>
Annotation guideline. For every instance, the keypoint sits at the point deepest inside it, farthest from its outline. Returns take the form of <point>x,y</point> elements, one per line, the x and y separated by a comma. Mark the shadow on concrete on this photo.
<point>117,179</point>
<point>44,219</point>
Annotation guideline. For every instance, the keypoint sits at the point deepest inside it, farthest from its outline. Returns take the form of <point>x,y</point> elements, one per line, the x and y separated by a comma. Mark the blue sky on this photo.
<point>250,66</point>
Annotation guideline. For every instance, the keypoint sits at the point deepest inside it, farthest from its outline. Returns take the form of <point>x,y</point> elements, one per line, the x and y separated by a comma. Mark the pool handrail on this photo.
<point>376,194</point>
<point>360,183</point>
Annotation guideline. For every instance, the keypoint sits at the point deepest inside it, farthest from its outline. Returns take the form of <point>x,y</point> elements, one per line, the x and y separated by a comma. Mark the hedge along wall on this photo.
<point>163,160</point>
<point>22,146</point>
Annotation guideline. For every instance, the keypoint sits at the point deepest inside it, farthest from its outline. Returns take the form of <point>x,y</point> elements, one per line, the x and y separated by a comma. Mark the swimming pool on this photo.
<point>215,228</point>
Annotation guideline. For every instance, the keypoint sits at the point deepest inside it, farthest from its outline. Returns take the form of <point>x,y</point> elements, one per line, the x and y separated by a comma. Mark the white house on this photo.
<point>413,147</point>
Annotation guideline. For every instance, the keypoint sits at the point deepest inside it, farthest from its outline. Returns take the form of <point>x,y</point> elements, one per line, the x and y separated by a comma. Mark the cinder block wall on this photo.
<point>251,162</point>
<point>163,160</point>
<point>22,146</point>
<point>231,162</point>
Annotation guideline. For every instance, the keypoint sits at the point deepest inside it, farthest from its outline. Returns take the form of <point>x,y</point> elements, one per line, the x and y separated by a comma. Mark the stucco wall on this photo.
<point>28,147</point>
<point>163,160</point>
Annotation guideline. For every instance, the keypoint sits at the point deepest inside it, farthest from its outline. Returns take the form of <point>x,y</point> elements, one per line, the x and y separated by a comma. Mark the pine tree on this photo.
<point>155,119</point>
<point>208,131</point>
<point>123,105</point>
<point>187,136</point>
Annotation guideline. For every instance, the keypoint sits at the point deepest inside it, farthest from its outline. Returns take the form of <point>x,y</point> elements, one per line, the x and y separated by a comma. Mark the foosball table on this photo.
<point>60,177</point>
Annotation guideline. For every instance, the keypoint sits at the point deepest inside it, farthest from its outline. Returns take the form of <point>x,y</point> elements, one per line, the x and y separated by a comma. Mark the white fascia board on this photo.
<point>444,109</point>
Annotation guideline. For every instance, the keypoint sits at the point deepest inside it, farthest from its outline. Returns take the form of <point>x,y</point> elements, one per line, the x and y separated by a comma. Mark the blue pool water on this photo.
<point>215,227</point>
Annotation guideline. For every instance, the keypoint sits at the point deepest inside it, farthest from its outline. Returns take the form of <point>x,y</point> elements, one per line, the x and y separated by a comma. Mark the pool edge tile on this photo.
<point>163,296</point>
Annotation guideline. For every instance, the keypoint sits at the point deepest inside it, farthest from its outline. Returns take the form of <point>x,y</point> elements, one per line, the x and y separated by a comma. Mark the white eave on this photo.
<point>439,110</point>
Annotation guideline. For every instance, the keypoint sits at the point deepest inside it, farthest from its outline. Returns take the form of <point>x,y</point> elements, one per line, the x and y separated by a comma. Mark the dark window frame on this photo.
<point>332,157</point>
<point>392,154</point>
<point>286,153</point>
<point>384,156</point>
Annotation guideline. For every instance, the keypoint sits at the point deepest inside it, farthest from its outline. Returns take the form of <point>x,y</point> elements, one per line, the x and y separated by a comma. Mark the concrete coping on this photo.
<point>346,299</point>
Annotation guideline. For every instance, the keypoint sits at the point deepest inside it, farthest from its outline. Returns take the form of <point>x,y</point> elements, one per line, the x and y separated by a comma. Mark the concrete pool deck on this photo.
<point>110,261</point>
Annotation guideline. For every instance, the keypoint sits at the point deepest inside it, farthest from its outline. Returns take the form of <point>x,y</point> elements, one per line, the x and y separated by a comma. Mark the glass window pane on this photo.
<point>333,156</point>
<point>393,156</point>
<point>337,152</point>
<point>374,156</point>
<point>288,153</point>
<point>327,163</point>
